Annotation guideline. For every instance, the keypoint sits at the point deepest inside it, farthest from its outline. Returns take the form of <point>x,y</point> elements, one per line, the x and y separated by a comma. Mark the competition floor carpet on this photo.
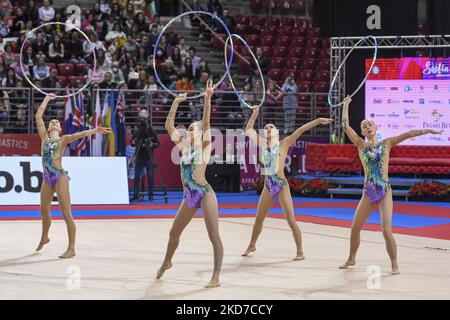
<point>119,249</point>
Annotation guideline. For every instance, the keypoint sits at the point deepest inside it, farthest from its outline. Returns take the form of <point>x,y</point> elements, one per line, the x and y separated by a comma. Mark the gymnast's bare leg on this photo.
<point>386,207</point>
<point>45,207</point>
<point>210,210</point>
<point>362,213</point>
<point>62,190</point>
<point>182,219</point>
<point>264,204</point>
<point>287,205</point>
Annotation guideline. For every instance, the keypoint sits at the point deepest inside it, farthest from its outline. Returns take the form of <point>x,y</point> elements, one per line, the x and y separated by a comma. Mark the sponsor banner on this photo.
<point>93,180</point>
<point>20,145</point>
<point>410,68</point>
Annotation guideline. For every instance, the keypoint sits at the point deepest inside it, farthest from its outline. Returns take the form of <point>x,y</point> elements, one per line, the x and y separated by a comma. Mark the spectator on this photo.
<point>19,21</point>
<point>88,48</point>
<point>5,8</point>
<point>290,103</point>
<point>18,70</point>
<point>196,6</point>
<point>153,36</point>
<point>40,70</point>
<point>184,83</point>
<point>2,70</point>
<point>194,58</point>
<point>167,73</point>
<point>176,58</point>
<point>141,23</point>
<point>151,84</point>
<point>108,82</point>
<point>101,59</point>
<point>228,20</point>
<point>104,7</point>
<point>273,98</point>
<point>140,82</point>
<point>184,48</point>
<point>116,33</point>
<point>51,80</point>
<point>108,25</point>
<point>4,110</point>
<point>8,55</point>
<point>187,68</point>
<point>128,13</point>
<point>31,12</point>
<point>46,12</point>
<point>10,80</point>
<point>115,10</point>
<point>117,74</point>
<point>138,5</point>
<point>97,75</point>
<point>29,57</point>
<point>39,43</point>
<point>2,45</point>
<point>200,84</point>
<point>202,67</point>
<point>56,50</point>
<point>142,59</point>
<point>248,96</point>
<point>157,22</point>
<point>131,71</point>
<point>215,7</point>
<point>264,64</point>
<point>131,46</point>
<point>4,27</point>
<point>88,24</point>
<point>74,49</point>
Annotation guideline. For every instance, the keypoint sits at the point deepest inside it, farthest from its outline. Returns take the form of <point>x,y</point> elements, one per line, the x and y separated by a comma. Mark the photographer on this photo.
<point>145,140</point>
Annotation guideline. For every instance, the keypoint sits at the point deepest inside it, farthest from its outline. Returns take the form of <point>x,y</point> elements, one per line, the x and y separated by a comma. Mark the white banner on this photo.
<point>93,180</point>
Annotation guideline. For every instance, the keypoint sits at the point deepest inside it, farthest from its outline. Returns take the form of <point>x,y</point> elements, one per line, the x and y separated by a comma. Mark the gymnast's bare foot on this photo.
<point>249,250</point>
<point>70,253</point>
<point>214,283</point>
<point>163,269</point>
<point>299,257</point>
<point>348,263</point>
<point>395,270</point>
<point>42,244</point>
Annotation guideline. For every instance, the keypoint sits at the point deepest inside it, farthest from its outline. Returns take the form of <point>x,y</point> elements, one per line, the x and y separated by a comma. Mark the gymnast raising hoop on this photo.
<point>196,152</point>
<point>54,176</point>
<point>275,183</point>
<point>374,156</point>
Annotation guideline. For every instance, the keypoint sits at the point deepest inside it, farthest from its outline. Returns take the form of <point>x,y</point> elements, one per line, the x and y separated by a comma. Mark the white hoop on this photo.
<point>36,87</point>
<point>375,43</point>
<point>257,65</point>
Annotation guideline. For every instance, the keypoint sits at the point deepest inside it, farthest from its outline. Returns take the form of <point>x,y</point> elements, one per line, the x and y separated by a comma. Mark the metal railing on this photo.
<point>18,106</point>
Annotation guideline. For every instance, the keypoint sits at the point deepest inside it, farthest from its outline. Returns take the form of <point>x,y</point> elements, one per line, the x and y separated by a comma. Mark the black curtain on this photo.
<point>342,18</point>
<point>438,16</point>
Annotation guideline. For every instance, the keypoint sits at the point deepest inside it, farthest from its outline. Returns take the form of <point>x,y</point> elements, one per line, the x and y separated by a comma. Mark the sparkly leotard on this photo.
<point>375,186</point>
<point>50,150</point>
<point>193,191</point>
<point>272,181</point>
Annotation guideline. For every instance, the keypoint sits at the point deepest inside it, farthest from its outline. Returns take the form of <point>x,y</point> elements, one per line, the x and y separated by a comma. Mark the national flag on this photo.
<point>112,124</point>
<point>96,122</point>
<point>120,123</point>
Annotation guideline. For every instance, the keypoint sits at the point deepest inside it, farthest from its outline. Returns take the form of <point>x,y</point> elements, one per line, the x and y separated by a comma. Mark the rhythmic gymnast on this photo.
<point>374,156</point>
<point>55,179</point>
<point>274,155</point>
<point>196,152</point>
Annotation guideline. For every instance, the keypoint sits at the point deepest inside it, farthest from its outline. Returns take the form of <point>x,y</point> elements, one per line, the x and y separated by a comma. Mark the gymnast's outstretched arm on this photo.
<point>170,122</point>
<point>290,140</point>
<point>251,132</point>
<point>209,90</point>
<point>68,138</point>
<point>353,136</point>
<point>410,134</point>
<point>39,113</point>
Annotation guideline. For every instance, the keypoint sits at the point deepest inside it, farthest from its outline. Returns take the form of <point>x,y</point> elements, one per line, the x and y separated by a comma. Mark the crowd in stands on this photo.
<point>122,34</point>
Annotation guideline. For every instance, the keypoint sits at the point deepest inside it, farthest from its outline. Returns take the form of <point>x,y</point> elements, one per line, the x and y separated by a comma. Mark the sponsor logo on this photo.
<point>393,126</point>
<point>393,114</point>
<point>410,126</point>
<point>378,115</point>
<point>27,183</point>
<point>411,113</point>
<point>393,101</point>
<point>377,101</point>
<point>407,88</point>
<point>436,125</point>
<point>435,102</point>
<point>393,88</point>
<point>421,89</point>
<point>435,87</point>
<point>436,115</point>
<point>408,101</point>
<point>378,88</point>
<point>437,69</point>
<point>421,101</point>
<point>436,139</point>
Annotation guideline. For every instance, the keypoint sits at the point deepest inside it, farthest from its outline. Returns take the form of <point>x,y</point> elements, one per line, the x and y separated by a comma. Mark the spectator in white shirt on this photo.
<point>46,12</point>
